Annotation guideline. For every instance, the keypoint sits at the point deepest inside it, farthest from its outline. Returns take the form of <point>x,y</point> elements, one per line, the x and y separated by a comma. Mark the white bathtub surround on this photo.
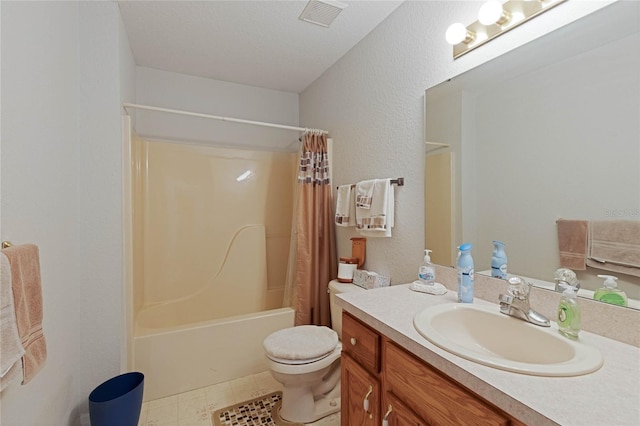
<point>204,303</point>
<point>531,399</point>
<point>215,229</point>
<point>239,287</point>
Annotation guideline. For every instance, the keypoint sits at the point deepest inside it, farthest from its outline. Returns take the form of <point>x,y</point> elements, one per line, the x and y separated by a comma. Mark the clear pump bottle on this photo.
<point>609,293</point>
<point>569,319</point>
<point>427,273</point>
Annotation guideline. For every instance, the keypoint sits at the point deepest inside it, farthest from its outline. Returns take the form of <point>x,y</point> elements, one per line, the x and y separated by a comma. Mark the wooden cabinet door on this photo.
<point>433,396</point>
<point>358,386</point>
<point>398,414</point>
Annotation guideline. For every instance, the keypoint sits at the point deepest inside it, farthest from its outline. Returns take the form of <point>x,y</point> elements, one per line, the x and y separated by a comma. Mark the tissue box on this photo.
<point>368,280</point>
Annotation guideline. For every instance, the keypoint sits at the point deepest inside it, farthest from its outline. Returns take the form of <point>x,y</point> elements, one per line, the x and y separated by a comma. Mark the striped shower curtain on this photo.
<point>316,254</point>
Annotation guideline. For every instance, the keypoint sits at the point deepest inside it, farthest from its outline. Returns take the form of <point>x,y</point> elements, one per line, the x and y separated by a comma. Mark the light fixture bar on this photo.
<point>518,12</point>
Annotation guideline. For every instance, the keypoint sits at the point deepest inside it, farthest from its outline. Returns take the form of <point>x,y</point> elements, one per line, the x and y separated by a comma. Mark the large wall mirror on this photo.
<point>548,131</point>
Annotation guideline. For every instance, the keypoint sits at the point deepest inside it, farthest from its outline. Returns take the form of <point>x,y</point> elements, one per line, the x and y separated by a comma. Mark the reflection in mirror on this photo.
<point>548,131</point>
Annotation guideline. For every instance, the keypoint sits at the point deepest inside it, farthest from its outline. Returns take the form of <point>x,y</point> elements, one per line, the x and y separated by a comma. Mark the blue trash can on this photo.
<point>117,401</point>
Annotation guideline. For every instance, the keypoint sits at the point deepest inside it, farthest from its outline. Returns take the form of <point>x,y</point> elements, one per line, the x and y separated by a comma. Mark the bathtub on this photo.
<point>209,259</point>
<point>216,334</point>
<point>182,358</point>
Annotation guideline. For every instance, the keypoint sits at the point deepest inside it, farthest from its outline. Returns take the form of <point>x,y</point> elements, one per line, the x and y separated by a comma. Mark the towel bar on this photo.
<point>399,182</point>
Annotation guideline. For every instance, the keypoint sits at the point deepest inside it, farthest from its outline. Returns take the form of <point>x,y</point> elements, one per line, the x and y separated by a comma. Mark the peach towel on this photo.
<point>11,349</point>
<point>572,242</point>
<point>27,296</point>
<point>614,245</point>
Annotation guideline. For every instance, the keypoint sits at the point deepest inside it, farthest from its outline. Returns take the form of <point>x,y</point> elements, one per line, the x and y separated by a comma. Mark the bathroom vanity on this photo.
<point>412,391</point>
<point>389,371</point>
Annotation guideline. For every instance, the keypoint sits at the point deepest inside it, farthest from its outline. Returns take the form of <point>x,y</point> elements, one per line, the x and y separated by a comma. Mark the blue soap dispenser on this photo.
<point>465,274</point>
<point>499,261</point>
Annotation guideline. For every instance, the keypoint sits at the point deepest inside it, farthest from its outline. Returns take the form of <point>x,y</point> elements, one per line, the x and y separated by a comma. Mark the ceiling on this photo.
<point>257,43</point>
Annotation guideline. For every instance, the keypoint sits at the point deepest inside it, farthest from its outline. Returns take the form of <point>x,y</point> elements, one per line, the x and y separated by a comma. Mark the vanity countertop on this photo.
<point>608,396</point>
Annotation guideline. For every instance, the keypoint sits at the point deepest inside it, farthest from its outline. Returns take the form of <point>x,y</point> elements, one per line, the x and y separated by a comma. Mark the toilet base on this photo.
<point>314,409</point>
<point>312,396</point>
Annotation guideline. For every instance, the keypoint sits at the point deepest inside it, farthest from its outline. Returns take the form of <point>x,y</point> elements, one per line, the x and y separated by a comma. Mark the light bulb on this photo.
<point>456,33</point>
<point>491,13</point>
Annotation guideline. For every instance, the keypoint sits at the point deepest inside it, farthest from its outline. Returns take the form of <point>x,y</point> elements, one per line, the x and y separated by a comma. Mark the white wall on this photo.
<point>106,79</point>
<point>196,94</point>
<point>371,101</point>
<point>62,69</point>
<point>39,190</point>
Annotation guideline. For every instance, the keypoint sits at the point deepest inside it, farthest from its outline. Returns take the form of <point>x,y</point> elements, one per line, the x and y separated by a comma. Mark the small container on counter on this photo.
<point>346,268</point>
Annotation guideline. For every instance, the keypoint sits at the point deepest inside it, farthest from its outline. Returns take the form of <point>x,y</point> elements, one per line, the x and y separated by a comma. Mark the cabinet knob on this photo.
<point>353,341</point>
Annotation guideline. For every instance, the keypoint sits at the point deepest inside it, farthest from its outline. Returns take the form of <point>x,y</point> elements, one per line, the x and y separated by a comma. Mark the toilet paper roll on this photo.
<point>345,272</point>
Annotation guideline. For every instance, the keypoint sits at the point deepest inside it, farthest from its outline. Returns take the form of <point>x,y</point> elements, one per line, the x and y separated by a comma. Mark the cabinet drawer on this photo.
<point>361,343</point>
<point>432,396</point>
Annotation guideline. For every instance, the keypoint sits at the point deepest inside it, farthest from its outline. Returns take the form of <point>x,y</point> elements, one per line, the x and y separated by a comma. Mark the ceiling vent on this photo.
<point>322,12</point>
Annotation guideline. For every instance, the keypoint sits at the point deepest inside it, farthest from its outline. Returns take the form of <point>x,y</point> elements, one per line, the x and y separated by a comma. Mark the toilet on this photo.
<point>306,360</point>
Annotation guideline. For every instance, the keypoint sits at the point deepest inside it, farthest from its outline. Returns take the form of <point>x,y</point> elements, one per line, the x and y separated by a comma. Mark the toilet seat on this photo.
<point>308,367</point>
<point>296,361</point>
<point>304,344</point>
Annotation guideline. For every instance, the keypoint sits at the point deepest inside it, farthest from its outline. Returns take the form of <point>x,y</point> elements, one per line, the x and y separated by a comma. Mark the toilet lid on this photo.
<point>303,343</point>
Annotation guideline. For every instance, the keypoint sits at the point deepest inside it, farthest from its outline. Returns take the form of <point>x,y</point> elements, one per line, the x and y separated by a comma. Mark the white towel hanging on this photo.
<point>378,220</point>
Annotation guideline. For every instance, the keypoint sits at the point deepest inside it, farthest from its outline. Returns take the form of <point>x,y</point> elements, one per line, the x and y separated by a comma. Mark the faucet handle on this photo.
<point>505,298</point>
<point>519,288</point>
<point>505,303</point>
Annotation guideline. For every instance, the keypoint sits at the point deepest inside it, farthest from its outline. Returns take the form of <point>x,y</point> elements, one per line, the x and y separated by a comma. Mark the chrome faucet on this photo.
<point>565,278</point>
<point>516,303</point>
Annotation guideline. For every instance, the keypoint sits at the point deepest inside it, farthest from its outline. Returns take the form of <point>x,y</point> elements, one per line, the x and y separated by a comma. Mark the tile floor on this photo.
<point>194,408</point>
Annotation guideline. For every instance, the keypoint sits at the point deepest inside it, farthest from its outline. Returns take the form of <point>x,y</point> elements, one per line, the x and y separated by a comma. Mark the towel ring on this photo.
<point>6,244</point>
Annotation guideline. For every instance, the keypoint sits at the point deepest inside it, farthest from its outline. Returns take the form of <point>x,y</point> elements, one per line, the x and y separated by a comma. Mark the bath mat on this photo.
<point>259,411</point>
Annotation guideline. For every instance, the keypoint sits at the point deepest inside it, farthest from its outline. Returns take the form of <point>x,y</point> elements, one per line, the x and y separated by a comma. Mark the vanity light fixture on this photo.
<point>492,12</point>
<point>458,33</point>
<point>494,19</point>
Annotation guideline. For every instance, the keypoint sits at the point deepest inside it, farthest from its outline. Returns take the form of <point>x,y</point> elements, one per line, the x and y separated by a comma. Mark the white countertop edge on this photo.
<point>531,399</point>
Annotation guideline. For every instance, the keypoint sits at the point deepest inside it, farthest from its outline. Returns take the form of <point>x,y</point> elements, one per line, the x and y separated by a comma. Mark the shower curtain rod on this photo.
<point>217,117</point>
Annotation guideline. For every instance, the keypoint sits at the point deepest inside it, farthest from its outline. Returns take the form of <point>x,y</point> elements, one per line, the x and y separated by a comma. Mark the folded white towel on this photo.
<point>378,220</point>
<point>345,206</point>
<point>364,193</point>
<point>11,349</point>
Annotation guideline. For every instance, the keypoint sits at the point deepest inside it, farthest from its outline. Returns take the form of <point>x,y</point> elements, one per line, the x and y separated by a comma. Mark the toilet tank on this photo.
<point>336,287</point>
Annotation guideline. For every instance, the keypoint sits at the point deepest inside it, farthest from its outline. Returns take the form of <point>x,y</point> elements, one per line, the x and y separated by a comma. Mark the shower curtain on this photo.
<point>315,260</point>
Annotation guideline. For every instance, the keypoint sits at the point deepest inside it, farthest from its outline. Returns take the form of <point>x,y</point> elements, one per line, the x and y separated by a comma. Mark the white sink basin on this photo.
<point>482,334</point>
